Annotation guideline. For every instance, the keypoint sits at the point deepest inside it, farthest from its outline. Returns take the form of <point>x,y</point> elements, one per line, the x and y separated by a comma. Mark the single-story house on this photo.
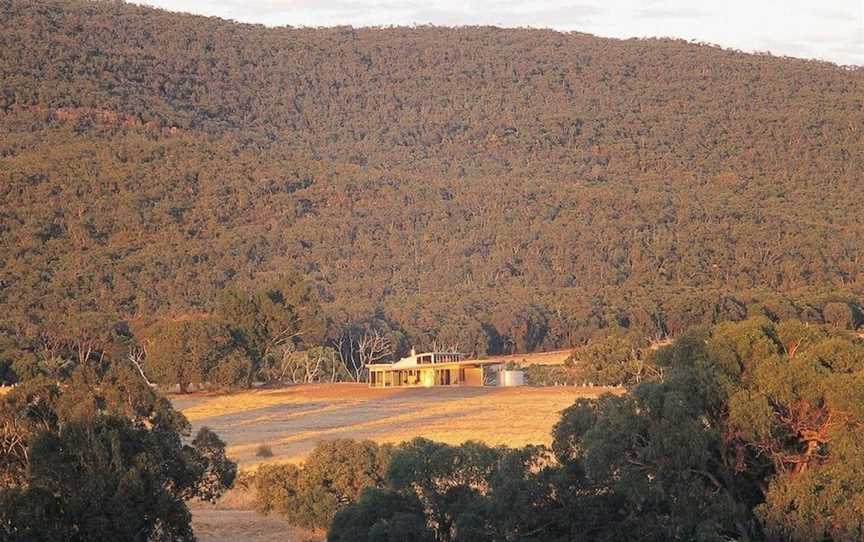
<point>429,369</point>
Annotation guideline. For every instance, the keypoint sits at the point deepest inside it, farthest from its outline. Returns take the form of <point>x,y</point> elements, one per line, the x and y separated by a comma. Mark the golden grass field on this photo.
<point>292,420</point>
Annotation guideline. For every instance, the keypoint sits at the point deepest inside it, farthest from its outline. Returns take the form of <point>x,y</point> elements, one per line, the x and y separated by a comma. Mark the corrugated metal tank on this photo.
<point>511,378</point>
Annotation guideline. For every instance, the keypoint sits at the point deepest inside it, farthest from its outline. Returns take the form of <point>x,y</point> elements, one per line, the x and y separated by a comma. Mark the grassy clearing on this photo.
<point>221,524</point>
<point>292,420</point>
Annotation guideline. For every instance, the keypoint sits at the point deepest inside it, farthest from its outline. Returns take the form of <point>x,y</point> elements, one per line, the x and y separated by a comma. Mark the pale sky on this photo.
<point>825,29</point>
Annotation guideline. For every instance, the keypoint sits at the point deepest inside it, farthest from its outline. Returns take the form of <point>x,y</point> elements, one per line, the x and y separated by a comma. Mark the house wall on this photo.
<point>473,376</point>
<point>427,377</point>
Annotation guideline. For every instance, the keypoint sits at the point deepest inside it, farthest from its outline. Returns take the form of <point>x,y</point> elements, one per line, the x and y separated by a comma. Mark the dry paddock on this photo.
<point>293,419</point>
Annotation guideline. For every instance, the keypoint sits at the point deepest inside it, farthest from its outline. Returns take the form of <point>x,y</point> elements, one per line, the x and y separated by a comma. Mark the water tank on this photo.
<point>511,378</point>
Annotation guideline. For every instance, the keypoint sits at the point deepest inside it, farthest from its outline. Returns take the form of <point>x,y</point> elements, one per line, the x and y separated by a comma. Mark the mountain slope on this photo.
<point>500,189</point>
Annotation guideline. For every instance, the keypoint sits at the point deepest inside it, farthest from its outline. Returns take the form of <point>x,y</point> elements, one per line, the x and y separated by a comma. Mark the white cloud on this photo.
<point>833,30</point>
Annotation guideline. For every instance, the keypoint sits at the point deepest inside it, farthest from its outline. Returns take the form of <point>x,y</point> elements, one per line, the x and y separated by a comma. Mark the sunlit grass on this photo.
<point>292,420</point>
<point>222,405</point>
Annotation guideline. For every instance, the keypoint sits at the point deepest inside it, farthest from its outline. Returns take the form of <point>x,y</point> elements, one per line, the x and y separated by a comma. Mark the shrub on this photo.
<point>549,375</point>
<point>264,450</point>
<point>275,487</point>
<point>334,475</point>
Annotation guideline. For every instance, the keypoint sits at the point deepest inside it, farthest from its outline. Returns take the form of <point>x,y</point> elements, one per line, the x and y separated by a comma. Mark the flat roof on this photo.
<point>399,366</point>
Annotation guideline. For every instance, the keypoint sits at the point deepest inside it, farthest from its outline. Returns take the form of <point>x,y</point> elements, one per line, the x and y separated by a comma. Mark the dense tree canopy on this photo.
<point>332,477</point>
<point>101,456</point>
<point>499,190</point>
<point>189,351</point>
<point>753,431</point>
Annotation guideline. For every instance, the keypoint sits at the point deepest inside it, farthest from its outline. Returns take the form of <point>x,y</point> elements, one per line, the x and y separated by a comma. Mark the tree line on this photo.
<point>282,334</point>
<point>274,335</point>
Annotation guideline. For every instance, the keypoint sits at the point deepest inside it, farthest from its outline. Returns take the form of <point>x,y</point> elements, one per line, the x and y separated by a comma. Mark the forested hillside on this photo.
<point>499,190</point>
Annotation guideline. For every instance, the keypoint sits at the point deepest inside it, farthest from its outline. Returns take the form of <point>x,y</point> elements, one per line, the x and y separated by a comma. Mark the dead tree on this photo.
<point>136,359</point>
<point>361,350</point>
<point>449,349</point>
<point>312,367</point>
